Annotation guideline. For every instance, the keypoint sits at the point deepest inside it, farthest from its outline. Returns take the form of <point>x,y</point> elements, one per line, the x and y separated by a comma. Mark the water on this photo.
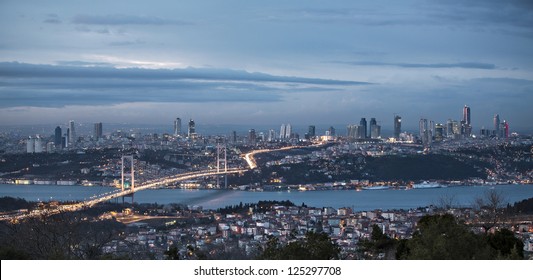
<point>212,199</point>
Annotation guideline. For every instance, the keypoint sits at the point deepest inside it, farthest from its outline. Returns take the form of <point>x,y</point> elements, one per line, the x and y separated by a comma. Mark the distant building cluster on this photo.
<point>67,138</point>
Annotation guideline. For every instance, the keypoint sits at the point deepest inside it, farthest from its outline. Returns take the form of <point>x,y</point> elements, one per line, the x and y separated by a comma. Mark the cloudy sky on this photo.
<point>265,62</point>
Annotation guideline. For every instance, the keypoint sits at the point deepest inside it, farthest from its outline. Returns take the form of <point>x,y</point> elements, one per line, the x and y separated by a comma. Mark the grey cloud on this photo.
<point>124,20</point>
<point>83,83</point>
<point>467,65</point>
<point>52,21</point>
<point>83,63</point>
<point>126,43</point>
<point>14,69</point>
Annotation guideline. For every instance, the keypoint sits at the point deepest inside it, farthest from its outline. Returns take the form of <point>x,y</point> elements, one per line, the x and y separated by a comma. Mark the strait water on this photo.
<point>212,199</point>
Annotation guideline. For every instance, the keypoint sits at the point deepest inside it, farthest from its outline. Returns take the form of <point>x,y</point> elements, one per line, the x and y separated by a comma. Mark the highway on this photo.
<point>252,164</point>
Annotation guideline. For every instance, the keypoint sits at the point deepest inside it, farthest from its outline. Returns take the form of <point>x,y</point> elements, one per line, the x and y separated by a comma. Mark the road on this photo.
<point>252,164</point>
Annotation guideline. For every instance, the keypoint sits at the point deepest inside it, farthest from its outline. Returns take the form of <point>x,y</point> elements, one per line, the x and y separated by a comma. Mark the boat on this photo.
<point>427,185</point>
<point>376,188</point>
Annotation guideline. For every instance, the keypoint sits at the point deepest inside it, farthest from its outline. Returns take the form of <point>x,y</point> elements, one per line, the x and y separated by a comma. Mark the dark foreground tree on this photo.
<point>441,237</point>
<point>61,236</point>
<point>315,246</point>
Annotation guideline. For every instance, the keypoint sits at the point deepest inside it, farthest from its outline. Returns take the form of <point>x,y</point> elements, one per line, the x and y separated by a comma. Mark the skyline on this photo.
<point>259,64</point>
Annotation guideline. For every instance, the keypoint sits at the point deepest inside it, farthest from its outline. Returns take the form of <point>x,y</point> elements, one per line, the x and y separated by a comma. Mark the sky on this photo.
<point>266,62</point>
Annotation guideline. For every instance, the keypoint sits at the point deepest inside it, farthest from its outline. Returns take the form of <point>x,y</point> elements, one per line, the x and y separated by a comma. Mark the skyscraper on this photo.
<point>282,131</point>
<point>288,131</point>
<point>192,128</point>
<point>177,127</point>
<point>467,125</point>
<point>375,129</point>
<point>466,114</point>
<point>251,137</point>
<point>424,132</point>
<point>311,131</point>
<point>71,133</point>
<point>397,126</point>
<point>30,145</point>
<point>97,131</point>
<point>505,129</point>
<point>331,131</point>
<point>57,137</point>
<point>439,132</point>
<point>362,132</point>
<point>271,135</point>
<point>497,125</point>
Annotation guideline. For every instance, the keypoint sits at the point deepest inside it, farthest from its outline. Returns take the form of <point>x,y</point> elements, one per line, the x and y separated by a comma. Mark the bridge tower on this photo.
<point>132,172</point>
<point>222,161</point>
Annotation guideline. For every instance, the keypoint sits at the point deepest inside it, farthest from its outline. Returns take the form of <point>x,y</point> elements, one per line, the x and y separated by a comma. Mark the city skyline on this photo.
<point>300,63</point>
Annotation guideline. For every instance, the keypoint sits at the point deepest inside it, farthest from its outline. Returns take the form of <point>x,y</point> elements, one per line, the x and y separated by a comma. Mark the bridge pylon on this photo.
<point>222,162</point>
<point>132,172</point>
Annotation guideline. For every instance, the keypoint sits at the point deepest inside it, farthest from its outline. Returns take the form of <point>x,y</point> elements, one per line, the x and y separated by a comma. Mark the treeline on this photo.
<point>63,236</point>
<point>522,207</point>
<point>422,167</point>
<point>10,204</point>
<point>261,206</point>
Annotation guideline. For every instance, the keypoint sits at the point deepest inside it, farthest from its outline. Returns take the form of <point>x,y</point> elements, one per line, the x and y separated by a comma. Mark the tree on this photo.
<point>441,237</point>
<point>379,243</point>
<point>172,253</point>
<point>490,209</point>
<point>506,245</point>
<point>315,246</point>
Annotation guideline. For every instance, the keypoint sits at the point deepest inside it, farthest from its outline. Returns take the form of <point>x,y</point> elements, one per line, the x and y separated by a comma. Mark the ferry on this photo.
<point>427,185</point>
<point>376,188</point>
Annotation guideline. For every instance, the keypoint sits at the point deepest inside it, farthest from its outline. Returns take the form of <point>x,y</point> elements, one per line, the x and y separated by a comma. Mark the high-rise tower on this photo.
<point>312,131</point>
<point>192,128</point>
<point>467,129</point>
<point>97,131</point>
<point>397,126</point>
<point>424,133</point>
<point>71,134</point>
<point>363,132</point>
<point>288,131</point>
<point>57,137</point>
<point>282,131</point>
<point>497,125</point>
<point>252,137</point>
<point>177,127</point>
<point>375,129</point>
